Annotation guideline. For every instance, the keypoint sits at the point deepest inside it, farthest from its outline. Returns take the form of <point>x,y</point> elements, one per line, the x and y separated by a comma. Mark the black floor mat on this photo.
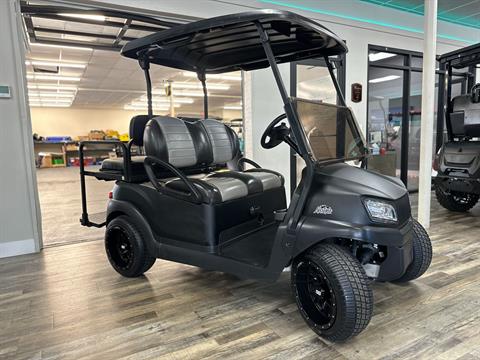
<point>254,248</point>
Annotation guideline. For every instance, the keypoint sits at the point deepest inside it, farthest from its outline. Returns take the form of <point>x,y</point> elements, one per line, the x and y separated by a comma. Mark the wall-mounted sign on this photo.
<point>5,91</point>
<point>356,92</point>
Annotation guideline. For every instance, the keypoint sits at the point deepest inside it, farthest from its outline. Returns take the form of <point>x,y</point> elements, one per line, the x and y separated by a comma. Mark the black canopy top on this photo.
<point>232,42</point>
<point>461,58</point>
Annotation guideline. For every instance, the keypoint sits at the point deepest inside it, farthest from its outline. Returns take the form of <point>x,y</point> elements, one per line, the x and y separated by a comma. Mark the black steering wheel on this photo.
<point>275,133</point>
<point>476,93</point>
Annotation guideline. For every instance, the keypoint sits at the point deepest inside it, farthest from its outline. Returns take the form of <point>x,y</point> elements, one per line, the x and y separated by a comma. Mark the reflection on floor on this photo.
<point>67,303</point>
<point>60,202</point>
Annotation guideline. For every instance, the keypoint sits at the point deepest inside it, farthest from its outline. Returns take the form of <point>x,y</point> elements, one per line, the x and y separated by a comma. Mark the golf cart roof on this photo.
<point>232,42</point>
<point>461,58</point>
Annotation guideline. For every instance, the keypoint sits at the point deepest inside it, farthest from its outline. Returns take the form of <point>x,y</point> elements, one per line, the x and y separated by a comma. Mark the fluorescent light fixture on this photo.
<point>39,99</point>
<point>52,77</point>
<point>187,85</point>
<point>383,79</point>
<point>51,87</point>
<point>214,76</point>
<point>85,16</point>
<point>43,94</point>
<point>380,56</point>
<point>232,107</point>
<point>67,47</point>
<point>133,107</point>
<point>179,100</point>
<point>49,105</point>
<point>144,105</point>
<point>55,63</point>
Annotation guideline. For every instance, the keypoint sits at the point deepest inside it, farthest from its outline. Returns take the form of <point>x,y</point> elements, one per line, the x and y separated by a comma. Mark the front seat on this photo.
<point>202,149</point>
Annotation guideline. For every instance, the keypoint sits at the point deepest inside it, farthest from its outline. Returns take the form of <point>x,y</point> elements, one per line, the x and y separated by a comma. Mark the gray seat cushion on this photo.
<point>213,189</point>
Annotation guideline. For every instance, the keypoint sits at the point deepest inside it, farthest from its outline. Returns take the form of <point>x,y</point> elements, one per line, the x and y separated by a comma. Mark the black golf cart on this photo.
<point>189,201</point>
<point>457,183</point>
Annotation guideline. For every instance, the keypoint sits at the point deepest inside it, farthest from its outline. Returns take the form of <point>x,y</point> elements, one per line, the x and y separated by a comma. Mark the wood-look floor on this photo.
<point>67,303</point>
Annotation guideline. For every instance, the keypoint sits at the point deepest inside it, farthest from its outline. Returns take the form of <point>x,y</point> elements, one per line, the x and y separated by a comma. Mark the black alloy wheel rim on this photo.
<point>315,295</point>
<point>120,248</point>
<point>461,198</point>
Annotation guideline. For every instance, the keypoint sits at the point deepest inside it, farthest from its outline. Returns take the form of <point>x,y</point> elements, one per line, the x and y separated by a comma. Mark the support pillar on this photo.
<point>428,102</point>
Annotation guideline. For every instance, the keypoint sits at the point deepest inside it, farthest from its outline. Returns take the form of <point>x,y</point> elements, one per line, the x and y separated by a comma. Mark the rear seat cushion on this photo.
<point>213,189</point>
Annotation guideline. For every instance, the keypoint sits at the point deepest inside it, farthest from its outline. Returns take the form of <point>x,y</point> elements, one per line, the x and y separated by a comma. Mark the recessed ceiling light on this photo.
<point>39,99</point>
<point>232,107</point>
<point>180,100</point>
<point>55,63</point>
<point>52,77</point>
<point>383,79</point>
<point>49,105</point>
<point>380,56</point>
<point>85,16</point>
<point>68,47</point>
<point>131,107</point>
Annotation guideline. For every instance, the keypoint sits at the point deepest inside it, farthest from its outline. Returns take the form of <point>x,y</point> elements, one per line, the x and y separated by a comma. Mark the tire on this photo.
<point>422,254</point>
<point>125,248</point>
<point>330,275</point>
<point>456,201</point>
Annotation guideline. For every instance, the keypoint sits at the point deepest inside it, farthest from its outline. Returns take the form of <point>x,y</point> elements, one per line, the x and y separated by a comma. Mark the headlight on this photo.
<point>380,211</point>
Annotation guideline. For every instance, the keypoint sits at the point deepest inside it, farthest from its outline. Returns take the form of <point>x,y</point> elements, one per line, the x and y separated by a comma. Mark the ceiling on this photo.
<point>74,61</point>
<point>460,12</point>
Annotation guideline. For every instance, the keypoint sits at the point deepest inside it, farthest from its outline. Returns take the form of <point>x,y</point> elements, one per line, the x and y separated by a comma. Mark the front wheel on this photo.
<point>125,248</point>
<point>422,254</point>
<point>455,200</point>
<point>332,292</point>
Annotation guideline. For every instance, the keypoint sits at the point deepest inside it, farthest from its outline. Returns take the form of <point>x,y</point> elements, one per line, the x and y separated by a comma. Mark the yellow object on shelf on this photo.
<point>124,137</point>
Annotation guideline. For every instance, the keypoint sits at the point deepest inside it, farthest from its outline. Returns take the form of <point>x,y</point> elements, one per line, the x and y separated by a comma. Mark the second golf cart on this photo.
<point>190,201</point>
<point>457,183</point>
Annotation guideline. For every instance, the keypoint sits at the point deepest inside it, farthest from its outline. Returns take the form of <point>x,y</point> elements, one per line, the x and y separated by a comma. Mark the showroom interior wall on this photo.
<point>75,122</point>
<point>19,207</point>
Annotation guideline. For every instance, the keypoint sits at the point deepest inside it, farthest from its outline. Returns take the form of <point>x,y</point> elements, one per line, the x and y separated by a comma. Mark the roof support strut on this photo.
<point>203,79</point>
<point>145,65</point>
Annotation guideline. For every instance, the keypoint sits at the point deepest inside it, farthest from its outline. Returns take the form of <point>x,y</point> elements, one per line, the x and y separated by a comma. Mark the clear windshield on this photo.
<point>331,131</point>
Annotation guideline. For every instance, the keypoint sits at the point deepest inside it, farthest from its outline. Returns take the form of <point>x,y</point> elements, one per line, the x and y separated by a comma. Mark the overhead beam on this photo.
<point>84,44</point>
<point>428,110</point>
<point>81,33</point>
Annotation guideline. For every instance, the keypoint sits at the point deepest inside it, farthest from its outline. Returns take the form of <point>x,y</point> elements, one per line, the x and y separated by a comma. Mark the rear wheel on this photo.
<point>422,254</point>
<point>332,292</point>
<point>125,248</point>
<point>455,200</point>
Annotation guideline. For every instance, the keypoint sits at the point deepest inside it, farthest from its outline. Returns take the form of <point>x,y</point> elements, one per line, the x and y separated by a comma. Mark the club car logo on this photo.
<point>323,210</point>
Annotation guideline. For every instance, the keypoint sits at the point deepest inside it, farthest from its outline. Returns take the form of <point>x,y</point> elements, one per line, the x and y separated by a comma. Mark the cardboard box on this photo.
<point>96,135</point>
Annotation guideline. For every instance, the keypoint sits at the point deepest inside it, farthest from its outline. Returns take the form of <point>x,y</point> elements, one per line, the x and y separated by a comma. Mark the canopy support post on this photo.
<point>335,82</point>
<point>145,65</point>
<point>203,79</point>
<point>271,60</point>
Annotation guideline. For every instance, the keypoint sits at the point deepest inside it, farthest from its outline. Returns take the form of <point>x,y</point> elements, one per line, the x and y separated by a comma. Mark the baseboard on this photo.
<point>19,247</point>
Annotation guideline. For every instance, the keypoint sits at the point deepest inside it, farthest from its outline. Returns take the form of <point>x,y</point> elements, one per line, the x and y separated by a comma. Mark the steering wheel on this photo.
<point>275,133</point>
<point>476,93</point>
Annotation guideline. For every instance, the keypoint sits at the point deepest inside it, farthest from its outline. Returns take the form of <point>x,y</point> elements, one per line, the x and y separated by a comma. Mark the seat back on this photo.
<point>471,114</point>
<point>137,127</point>
<point>190,144</point>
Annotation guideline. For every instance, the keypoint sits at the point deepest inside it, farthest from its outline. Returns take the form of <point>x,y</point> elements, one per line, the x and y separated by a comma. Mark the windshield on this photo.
<point>331,131</point>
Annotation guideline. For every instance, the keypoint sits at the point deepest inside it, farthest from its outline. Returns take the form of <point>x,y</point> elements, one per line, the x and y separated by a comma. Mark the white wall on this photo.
<point>75,122</point>
<point>20,231</point>
<point>263,104</point>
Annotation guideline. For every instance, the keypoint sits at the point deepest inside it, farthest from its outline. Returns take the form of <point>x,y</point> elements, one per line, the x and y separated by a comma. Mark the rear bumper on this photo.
<point>460,184</point>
